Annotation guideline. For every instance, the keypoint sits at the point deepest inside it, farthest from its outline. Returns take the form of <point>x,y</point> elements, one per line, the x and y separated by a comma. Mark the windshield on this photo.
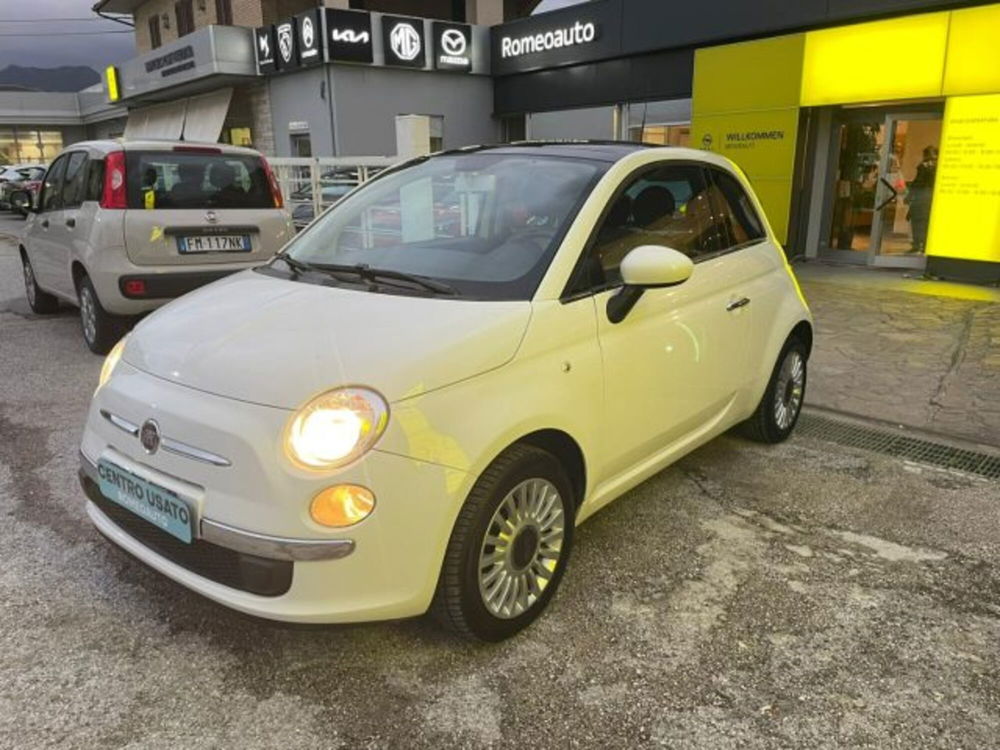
<point>487,224</point>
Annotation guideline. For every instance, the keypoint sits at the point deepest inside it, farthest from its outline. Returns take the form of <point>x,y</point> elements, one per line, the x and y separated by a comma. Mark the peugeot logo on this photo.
<point>285,41</point>
<point>211,217</point>
<point>453,42</point>
<point>405,41</point>
<point>307,32</point>
<point>149,436</point>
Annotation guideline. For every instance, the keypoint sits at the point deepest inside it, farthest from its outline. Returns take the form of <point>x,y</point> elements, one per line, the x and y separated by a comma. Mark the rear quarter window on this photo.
<point>196,180</point>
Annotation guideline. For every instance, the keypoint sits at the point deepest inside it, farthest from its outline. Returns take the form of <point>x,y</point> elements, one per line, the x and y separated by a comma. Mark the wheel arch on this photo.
<point>803,331</point>
<point>567,451</point>
<point>78,271</point>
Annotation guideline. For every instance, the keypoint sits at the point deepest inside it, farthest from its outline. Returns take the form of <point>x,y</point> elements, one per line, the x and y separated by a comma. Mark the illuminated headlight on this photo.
<point>336,428</point>
<point>110,362</point>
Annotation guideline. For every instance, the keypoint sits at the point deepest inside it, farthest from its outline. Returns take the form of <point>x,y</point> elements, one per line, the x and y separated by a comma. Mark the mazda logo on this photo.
<point>405,41</point>
<point>149,436</point>
<point>453,42</point>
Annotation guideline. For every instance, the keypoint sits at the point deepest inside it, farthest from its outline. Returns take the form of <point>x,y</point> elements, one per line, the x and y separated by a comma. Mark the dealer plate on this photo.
<point>158,505</point>
<point>214,243</point>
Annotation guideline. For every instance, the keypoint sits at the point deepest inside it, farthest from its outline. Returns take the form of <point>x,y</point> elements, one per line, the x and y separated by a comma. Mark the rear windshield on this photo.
<point>170,179</point>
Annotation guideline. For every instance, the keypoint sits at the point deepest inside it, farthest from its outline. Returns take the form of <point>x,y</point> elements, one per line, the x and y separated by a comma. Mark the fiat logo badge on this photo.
<point>149,436</point>
<point>211,217</point>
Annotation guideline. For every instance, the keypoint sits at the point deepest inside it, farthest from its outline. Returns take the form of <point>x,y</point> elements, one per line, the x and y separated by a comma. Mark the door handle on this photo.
<point>736,304</point>
<point>45,223</point>
<point>71,222</point>
<point>893,194</point>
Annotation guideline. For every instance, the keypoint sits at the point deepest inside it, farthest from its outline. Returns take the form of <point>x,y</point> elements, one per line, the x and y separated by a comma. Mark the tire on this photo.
<point>473,598</point>
<point>39,301</point>
<point>779,409</point>
<point>101,329</point>
<point>19,202</point>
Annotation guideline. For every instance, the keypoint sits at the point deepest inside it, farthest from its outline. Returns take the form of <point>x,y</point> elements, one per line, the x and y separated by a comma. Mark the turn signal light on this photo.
<point>342,505</point>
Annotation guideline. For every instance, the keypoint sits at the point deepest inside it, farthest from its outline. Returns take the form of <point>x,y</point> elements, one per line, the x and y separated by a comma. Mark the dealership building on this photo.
<point>870,129</point>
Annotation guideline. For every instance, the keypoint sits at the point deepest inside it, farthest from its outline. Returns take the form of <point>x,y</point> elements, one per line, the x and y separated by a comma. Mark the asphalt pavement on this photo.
<point>803,595</point>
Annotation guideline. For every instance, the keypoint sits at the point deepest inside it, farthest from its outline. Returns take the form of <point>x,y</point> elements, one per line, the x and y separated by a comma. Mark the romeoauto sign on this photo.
<point>580,33</point>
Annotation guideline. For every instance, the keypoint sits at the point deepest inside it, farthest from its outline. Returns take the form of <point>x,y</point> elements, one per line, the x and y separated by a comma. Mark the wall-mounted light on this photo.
<point>165,20</point>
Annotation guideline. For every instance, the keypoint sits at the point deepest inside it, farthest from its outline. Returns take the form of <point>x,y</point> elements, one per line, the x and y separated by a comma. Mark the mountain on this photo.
<point>66,78</point>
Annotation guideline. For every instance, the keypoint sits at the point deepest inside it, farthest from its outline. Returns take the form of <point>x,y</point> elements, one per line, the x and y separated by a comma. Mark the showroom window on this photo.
<point>666,123</point>
<point>24,145</point>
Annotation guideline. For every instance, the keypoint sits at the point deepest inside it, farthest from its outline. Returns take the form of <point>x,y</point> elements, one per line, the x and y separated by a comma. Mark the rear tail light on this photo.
<point>113,195</point>
<point>198,149</point>
<point>273,182</point>
<point>134,287</point>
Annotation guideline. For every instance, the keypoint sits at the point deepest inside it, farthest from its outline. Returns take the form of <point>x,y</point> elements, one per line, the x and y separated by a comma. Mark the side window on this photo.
<point>95,180</point>
<point>735,211</point>
<point>668,205</point>
<point>52,188</point>
<point>75,180</point>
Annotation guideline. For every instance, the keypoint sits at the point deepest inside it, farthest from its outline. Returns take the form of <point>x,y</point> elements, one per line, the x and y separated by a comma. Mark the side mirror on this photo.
<point>647,267</point>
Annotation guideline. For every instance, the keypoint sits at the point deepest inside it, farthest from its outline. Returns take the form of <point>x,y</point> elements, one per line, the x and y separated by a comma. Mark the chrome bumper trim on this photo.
<point>168,444</point>
<point>252,543</point>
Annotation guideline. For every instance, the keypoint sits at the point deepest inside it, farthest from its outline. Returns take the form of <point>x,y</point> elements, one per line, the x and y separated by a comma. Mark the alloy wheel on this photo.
<point>789,389</point>
<point>521,548</point>
<point>88,314</point>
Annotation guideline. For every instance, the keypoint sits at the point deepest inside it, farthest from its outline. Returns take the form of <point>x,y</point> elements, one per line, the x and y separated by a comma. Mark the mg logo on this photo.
<point>453,42</point>
<point>405,41</point>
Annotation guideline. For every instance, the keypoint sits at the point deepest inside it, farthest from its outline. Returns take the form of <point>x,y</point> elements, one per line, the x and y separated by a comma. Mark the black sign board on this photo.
<point>309,37</point>
<point>348,36</point>
<point>287,54</point>
<point>264,46</point>
<point>452,46</point>
<point>403,41</point>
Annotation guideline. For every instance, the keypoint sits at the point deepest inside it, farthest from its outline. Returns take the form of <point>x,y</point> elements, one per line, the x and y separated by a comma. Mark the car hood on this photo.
<point>277,342</point>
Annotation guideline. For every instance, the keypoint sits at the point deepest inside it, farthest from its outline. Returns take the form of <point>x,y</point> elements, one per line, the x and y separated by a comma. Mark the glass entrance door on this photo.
<point>884,167</point>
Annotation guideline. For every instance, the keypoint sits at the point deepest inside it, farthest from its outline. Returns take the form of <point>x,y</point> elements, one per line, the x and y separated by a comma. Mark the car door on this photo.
<point>674,366</point>
<point>68,232</point>
<point>42,235</point>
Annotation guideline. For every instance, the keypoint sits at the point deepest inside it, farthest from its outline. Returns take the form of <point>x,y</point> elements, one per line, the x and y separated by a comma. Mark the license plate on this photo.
<point>214,243</point>
<point>158,505</point>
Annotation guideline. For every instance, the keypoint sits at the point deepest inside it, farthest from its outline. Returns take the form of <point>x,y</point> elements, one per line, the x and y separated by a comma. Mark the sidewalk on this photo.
<point>919,353</point>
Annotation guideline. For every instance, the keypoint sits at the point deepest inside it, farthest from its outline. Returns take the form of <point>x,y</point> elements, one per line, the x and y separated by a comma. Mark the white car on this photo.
<point>402,413</point>
<point>121,228</point>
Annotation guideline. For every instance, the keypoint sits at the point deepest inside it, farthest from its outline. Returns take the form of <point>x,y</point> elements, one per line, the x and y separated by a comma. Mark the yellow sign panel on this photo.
<point>901,58</point>
<point>965,212</point>
<point>111,77</point>
<point>973,65</point>
<point>764,74</point>
<point>763,145</point>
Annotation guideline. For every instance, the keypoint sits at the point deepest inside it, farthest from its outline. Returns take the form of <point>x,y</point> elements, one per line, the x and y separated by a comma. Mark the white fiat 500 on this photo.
<point>414,404</point>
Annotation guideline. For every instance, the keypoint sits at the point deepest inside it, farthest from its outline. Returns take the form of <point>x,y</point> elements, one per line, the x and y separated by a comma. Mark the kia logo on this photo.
<point>405,41</point>
<point>349,36</point>
<point>285,41</point>
<point>307,32</point>
<point>453,42</point>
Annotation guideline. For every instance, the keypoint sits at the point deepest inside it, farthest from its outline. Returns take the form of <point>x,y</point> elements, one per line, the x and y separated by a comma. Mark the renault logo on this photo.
<point>405,41</point>
<point>149,436</point>
<point>453,42</point>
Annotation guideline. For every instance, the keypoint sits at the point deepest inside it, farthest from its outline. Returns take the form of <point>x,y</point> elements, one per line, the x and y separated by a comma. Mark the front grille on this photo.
<point>255,575</point>
<point>893,443</point>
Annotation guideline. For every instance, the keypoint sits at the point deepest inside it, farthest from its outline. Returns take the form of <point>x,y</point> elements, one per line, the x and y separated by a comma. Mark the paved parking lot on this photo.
<point>803,595</point>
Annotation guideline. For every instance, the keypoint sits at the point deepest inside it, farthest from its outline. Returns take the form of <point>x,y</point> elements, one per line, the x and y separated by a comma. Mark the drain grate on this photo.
<point>854,435</point>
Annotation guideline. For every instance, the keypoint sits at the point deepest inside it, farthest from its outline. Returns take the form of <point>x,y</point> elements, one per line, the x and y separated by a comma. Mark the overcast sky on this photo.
<point>62,48</point>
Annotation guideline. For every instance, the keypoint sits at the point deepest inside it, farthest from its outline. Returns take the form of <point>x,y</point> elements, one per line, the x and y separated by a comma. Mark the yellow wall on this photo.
<point>973,60</point>
<point>965,213</point>
<point>746,107</point>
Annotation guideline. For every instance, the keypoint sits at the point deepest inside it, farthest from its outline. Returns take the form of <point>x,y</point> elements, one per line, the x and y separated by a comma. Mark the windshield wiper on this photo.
<point>372,275</point>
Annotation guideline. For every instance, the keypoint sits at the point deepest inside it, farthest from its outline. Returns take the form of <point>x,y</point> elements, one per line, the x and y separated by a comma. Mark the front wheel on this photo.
<point>509,547</point>
<point>101,329</point>
<point>779,409</point>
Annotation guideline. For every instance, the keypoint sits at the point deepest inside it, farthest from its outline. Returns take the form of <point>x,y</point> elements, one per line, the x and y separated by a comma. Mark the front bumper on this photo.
<point>254,512</point>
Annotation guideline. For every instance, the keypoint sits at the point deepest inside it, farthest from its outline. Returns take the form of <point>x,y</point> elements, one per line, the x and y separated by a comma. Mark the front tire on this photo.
<point>779,409</point>
<point>101,329</point>
<point>509,547</point>
<point>39,301</point>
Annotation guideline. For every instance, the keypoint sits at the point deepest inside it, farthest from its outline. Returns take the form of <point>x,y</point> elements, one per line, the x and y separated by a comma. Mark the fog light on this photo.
<point>342,505</point>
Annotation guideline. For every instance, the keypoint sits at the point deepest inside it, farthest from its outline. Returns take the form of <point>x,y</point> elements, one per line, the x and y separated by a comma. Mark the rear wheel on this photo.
<point>20,202</point>
<point>40,302</point>
<point>509,547</point>
<point>101,329</point>
<point>779,409</point>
